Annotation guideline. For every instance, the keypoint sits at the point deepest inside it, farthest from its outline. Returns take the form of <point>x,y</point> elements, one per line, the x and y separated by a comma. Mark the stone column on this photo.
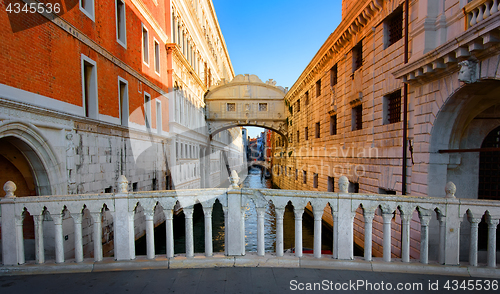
<point>188,213</point>
<point>150,233</point>
<point>425,217</point>
<point>368,214</point>
<point>11,240</point>
<point>298,212</point>
<point>123,222</point>
<point>39,248</point>
<point>405,235</point>
<point>387,216</point>
<point>335,217</point>
<point>77,221</point>
<point>492,240</point>
<point>318,215</point>
<point>242,226</point>
<point>20,239</point>
<point>169,228</point>
<point>233,224</point>
<point>474,222</point>
<point>97,218</point>
<point>452,227</point>
<point>260,231</point>
<point>343,223</point>
<point>280,213</point>
<point>442,238</point>
<point>207,211</point>
<point>58,237</point>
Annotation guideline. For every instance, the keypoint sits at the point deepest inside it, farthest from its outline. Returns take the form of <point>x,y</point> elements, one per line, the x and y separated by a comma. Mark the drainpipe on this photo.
<point>405,102</point>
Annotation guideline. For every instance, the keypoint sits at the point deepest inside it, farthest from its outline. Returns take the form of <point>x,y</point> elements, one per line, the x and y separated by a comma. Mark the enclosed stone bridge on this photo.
<point>246,101</point>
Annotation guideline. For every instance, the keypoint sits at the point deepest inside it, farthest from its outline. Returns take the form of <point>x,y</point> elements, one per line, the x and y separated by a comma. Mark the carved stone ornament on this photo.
<point>9,188</point>
<point>343,184</point>
<point>122,184</point>
<point>234,179</point>
<point>467,73</point>
<point>450,190</point>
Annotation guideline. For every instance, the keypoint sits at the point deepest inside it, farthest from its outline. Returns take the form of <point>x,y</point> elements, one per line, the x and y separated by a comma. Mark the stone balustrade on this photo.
<point>479,10</point>
<point>449,212</point>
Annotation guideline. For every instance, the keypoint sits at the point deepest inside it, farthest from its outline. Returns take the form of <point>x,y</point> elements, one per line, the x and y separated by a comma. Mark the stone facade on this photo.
<point>346,108</point>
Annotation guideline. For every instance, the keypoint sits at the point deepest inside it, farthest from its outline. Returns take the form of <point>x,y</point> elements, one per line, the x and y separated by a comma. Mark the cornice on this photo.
<point>175,49</point>
<point>139,4</point>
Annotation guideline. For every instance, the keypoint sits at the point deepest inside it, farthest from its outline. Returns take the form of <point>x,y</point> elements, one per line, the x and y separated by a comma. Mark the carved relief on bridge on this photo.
<point>246,101</point>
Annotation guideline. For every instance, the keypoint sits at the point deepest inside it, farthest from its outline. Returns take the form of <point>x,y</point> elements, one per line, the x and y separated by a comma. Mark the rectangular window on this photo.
<point>306,97</point>
<point>331,184</point>
<point>121,24</point>
<point>386,191</point>
<point>158,117</point>
<point>262,106</point>
<point>231,106</point>
<point>87,7</point>
<point>296,174</point>
<point>393,27</point>
<point>304,177</point>
<point>318,130</point>
<point>157,56</point>
<point>306,133</point>
<point>89,88</point>
<point>333,75</point>
<point>357,118</point>
<point>392,108</point>
<point>318,88</point>
<point>315,180</point>
<point>333,124</point>
<point>297,105</point>
<point>147,110</point>
<point>145,45</point>
<point>298,136</point>
<point>123,100</point>
<point>357,57</point>
<point>353,188</point>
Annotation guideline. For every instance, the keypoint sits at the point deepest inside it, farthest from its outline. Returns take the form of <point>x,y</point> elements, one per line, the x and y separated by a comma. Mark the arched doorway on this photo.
<point>489,167</point>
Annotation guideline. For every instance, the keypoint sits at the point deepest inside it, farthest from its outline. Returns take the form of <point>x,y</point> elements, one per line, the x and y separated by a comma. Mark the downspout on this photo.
<point>405,102</point>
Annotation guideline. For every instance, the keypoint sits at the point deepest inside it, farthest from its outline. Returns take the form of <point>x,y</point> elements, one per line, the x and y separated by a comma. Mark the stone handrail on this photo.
<point>479,10</point>
<point>449,211</point>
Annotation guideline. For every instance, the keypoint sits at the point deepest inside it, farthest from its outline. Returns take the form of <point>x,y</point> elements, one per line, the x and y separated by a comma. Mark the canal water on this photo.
<point>253,180</point>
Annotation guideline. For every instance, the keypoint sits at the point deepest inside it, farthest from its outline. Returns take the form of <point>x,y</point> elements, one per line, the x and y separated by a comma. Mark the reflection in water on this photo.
<point>253,180</point>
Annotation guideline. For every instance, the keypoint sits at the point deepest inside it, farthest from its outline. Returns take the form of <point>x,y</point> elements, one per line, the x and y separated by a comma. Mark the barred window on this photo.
<point>394,27</point>
<point>318,88</point>
<point>392,108</point>
<point>262,106</point>
<point>231,106</point>
<point>357,118</point>
<point>318,129</point>
<point>357,57</point>
<point>333,75</point>
<point>333,125</point>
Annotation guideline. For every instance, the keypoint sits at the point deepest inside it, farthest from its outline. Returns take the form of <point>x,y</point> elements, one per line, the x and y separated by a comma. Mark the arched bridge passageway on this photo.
<point>246,101</point>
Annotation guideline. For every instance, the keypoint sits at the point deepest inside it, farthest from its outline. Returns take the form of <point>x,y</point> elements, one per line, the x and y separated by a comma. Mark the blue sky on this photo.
<point>275,39</point>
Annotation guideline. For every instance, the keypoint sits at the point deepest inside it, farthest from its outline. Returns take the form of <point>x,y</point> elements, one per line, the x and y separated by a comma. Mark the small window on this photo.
<point>306,133</point>
<point>298,136</point>
<point>315,180</point>
<point>296,174</point>
<point>392,108</point>
<point>331,184</point>
<point>386,191</point>
<point>89,88</point>
<point>318,88</point>
<point>393,27</point>
<point>147,110</point>
<point>262,106</point>
<point>333,75</point>
<point>297,106</point>
<point>306,97</point>
<point>353,188</point>
<point>87,7</point>
<point>304,177</point>
<point>123,100</point>
<point>357,117</point>
<point>318,130</point>
<point>121,24</point>
<point>357,57</point>
<point>145,45</point>
<point>231,106</point>
<point>333,124</point>
<point>157,56</point>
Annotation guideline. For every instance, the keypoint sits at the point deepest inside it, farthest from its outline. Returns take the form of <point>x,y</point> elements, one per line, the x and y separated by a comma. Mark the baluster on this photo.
<point>405,235</point>
<point>207,211</point>
<point>20,239</point>
<point>77,220</point>
<point>368,215</point>
<point>260,231</point>
<point>242,224</point>
<point>387,216</point>
<point>494,7</point>
<point>298,231</point>
<point>480,14</point>
<point>280,214</point>
<point>487,10</point>
<point>473,18</point>
<point>442,238</point>
<point>335,233</point>
<point>492,240</point>
<point>97,218</point>
<point>188,213</point>
<point>58,237</point>
<point>318,214</point>
<point>474,222</point>
<point>39,248</point>
<point>150,233</point>
<point>425,218</point>
<point>169,228</point>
